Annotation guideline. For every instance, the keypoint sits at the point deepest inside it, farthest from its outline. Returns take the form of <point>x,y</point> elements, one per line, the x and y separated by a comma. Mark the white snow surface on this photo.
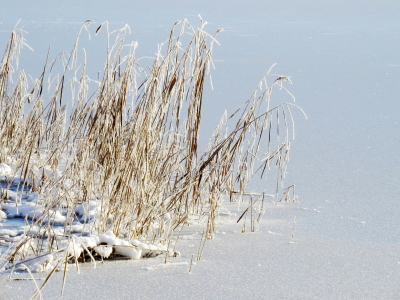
<point>343,59</point>
<point>263,265</point>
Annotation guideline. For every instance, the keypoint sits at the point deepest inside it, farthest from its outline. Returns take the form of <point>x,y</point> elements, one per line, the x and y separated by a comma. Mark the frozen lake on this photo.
<point>343,58</point>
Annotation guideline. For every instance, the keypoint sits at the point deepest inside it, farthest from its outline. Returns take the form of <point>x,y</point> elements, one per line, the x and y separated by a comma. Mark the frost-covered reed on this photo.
<point>123,160</point>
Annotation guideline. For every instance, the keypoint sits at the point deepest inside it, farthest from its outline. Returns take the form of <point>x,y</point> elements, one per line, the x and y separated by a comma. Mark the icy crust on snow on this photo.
<point>102,245</point>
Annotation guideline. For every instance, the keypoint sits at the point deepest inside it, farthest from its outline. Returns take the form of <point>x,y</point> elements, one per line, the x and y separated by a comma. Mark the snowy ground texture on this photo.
<point>344,62</point>
<point>266,264</point>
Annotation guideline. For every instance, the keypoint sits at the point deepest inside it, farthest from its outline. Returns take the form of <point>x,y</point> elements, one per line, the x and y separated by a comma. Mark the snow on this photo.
<point>43,264</point>
<point>257,265</point>
<point>89,210</point>
<point>128,251</point>
<point>33,211</point>
<point>9,232</point>
<point>343,60</point>
<point>5,169</point>
<point>103,251</point>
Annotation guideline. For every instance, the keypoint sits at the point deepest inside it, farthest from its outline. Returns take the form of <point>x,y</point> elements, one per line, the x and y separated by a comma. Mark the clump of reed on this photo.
<point>129,141</point>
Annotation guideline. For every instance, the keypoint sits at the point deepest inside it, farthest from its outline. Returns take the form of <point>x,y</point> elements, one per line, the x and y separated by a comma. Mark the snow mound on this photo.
<point>103,251</point>
<point>3,215</point>
<point>97,245</point>
<point>5,169</point>
<point>32,211</point>
<point>105,244</point>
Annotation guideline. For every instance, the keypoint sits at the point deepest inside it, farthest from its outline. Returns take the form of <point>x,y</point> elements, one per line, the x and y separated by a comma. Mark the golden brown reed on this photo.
<point>133,143</point>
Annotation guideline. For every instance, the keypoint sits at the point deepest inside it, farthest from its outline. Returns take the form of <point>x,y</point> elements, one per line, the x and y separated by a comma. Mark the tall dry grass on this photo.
<point>131,141</point>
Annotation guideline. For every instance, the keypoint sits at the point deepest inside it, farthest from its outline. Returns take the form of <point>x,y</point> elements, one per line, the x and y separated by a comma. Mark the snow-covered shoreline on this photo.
<point>263,265</point>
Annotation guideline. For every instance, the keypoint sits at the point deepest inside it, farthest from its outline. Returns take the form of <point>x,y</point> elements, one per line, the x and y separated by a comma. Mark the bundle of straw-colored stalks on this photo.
<point>129,143</point>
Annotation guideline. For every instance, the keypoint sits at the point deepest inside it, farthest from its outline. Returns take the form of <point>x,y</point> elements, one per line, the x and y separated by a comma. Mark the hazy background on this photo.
<point>343,58</point>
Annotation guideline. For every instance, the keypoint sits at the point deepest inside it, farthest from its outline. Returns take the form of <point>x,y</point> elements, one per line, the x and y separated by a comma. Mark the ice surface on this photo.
<point>344,62</point>
<point>255,265</point>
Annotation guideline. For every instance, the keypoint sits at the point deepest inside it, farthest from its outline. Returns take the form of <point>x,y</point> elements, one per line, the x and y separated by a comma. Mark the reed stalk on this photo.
<point>129,141</point>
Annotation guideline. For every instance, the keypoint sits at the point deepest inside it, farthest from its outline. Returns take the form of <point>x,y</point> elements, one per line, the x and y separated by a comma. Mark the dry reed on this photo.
<point>130,143</point>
